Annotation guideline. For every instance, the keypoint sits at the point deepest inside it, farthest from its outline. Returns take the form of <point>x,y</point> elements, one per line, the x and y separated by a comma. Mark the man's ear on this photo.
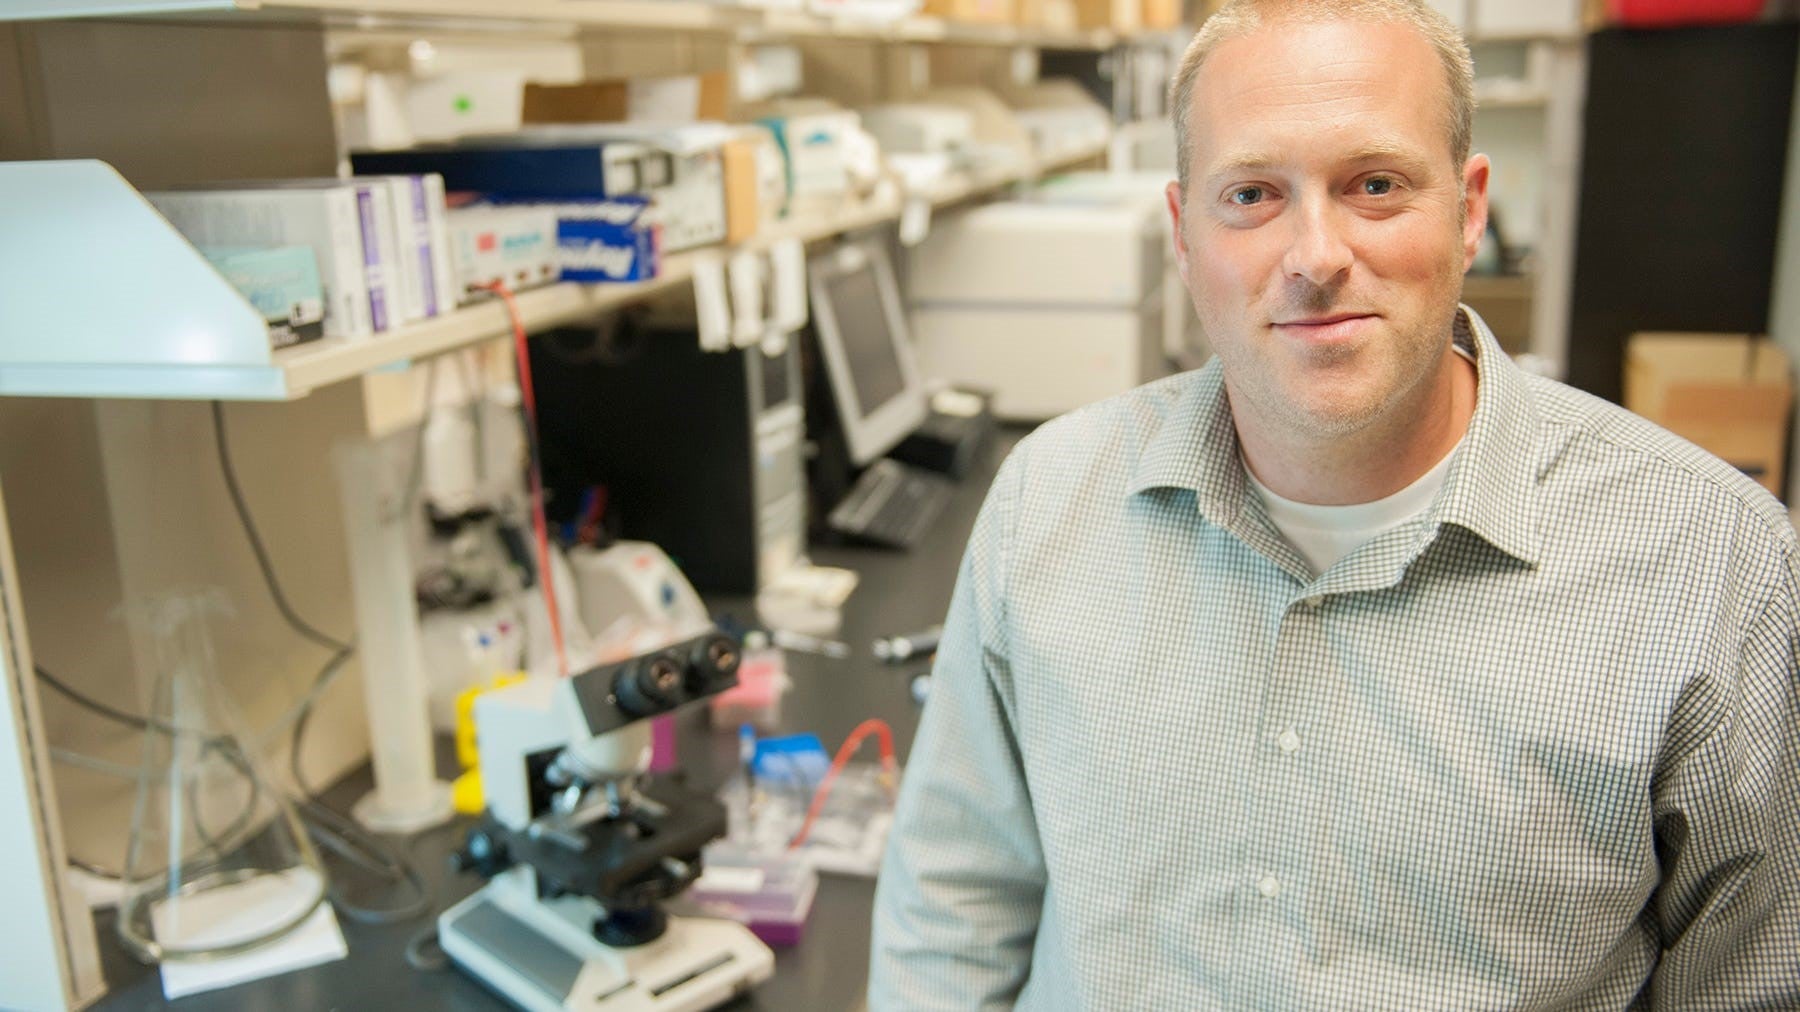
<point>1475,206</point>
<point>1173,194</point>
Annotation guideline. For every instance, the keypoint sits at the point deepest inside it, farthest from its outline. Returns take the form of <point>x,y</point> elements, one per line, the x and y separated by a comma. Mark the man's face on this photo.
<point>1325,229</point>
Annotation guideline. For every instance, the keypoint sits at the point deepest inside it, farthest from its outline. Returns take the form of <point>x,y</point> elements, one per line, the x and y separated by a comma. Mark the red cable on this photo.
<point>539,527</point>
<point>845,751</point>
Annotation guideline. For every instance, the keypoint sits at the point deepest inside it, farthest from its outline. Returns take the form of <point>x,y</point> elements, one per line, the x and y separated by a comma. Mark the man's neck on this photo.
<point>1376,461</point>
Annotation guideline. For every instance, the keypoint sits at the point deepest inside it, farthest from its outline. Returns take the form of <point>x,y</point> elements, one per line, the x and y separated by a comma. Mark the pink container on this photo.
<point>756,699</point>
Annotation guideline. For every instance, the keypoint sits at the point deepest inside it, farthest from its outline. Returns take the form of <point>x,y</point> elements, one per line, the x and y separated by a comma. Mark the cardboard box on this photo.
<point>682,99</point>
<point>1505,304</point>
<point>743,210</point>
<point>986,12</point>
<point>1729,393</point>
<point>1161,15</point>
<point>1122,16</point>
<point>1047,15</point>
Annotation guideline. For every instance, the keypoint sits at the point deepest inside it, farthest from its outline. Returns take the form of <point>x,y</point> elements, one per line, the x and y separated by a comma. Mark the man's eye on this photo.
<point>1244,196</point>
<point>1378,186</point>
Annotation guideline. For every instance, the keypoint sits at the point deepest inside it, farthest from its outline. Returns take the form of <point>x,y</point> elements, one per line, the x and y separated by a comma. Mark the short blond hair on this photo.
<point>1239,18</point>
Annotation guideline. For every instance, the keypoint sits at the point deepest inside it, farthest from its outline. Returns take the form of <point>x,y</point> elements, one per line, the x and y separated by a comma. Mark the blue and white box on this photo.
<point>282,282</point>
<point>607,240</point>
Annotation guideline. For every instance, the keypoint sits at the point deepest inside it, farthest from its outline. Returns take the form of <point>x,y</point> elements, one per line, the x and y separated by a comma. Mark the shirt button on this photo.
<point>1269,886</point>
<point>1289,742</point>
<point>1312,603</point>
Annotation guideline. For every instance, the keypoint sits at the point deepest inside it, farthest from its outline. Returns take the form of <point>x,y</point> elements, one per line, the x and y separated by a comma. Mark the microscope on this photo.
<point>579,861</point>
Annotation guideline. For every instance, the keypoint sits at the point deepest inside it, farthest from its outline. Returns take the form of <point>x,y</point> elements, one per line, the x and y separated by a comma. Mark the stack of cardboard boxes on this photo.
<point>1730,394</point>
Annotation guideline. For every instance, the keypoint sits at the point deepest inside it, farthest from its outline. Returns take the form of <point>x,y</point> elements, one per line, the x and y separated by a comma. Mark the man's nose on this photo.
<point>1318,252</point>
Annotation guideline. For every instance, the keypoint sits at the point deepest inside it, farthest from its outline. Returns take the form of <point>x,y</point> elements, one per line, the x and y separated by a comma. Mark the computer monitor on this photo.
<point>867,349</point>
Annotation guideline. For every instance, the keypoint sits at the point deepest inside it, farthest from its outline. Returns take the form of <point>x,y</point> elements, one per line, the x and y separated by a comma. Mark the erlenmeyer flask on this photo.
<point>217,862</point>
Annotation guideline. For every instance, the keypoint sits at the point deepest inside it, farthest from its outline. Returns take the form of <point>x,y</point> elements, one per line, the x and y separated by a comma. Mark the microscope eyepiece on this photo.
<point>714,660</point>
<point>650,686</point>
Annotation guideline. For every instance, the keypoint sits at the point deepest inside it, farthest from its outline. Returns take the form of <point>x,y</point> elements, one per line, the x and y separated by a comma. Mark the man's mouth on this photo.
<point>1323,321</point>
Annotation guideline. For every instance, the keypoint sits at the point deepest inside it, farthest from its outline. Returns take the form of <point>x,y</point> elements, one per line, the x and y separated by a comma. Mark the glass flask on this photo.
<point>217,862</point>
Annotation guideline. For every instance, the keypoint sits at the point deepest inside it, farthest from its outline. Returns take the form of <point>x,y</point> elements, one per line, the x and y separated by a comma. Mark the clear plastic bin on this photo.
<point>770,895</point>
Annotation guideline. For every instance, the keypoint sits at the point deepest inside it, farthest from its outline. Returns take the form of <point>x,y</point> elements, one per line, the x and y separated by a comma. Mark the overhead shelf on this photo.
<point>660,15</point>
<point>103,298</point>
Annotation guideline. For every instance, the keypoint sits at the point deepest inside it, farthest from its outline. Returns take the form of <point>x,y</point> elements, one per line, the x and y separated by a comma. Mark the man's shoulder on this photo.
<point>1591,441</point>
<point>1105,439</point>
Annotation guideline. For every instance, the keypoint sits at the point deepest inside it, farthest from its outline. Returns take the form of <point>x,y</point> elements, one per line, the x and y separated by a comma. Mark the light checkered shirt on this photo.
<point>1534,749</point>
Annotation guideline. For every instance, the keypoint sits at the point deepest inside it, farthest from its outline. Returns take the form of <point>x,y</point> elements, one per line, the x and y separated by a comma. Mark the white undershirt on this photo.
<point>1325,534</point>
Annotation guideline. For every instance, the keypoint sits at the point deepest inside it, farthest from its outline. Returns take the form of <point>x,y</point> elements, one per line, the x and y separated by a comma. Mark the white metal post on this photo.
<point>407,796</point>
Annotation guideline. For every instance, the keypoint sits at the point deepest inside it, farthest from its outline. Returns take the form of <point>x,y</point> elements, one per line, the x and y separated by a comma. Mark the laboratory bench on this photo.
<point>899,592</point>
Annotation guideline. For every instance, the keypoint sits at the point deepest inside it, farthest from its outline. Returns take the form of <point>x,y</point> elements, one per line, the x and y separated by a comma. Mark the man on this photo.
<point>1358,669</point>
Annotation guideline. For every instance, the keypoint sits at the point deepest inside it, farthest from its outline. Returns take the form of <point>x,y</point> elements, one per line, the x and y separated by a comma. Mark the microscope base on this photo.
<point>542,955</point>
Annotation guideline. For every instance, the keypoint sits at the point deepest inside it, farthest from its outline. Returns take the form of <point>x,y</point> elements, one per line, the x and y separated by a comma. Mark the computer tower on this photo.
<point>699,452</point>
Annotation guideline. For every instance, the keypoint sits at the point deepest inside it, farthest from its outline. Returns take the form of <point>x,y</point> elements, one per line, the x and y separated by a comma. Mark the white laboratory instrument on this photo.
<point>1184,341</point>
<point>1050,306</point>
<point>920,128</point>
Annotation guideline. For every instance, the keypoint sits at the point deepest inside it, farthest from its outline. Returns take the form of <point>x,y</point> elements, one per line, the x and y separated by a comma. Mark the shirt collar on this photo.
<point>1492,486</point>
<point>1490,490</point>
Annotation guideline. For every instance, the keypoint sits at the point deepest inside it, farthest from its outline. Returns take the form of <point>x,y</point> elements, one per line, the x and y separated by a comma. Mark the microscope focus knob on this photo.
<point>650,686</point>
<point>481,853</point>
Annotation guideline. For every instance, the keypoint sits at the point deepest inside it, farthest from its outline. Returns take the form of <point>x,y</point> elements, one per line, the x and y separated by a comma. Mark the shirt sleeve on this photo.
<point>1727,912</point>
<point>962,882</point>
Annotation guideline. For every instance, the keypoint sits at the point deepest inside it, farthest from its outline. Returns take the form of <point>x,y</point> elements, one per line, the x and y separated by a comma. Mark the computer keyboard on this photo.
<point>891,504</point>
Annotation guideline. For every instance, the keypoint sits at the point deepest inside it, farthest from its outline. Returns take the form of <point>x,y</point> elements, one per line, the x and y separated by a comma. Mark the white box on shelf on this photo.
<point>919,128</point>
<point>428,284</point>
<point>381,238</point>
<point>443,266</point>
<point>813,140</point>
<point>328,220</point>
<point>513,245</point>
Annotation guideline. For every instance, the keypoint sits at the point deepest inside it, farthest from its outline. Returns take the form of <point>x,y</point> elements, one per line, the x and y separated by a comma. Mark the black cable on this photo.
<point>299,731</point>
<point>106,874</point>
<point>83,699</point>
<point>343,837</point>
<point>329,830</point>
<point>214,743</point>
<point>299,625</point>
<point>415,473</point>
<point>419,959</point>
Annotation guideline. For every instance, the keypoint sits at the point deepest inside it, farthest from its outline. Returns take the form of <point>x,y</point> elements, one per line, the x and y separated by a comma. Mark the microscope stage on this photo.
<point>540,956</point>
